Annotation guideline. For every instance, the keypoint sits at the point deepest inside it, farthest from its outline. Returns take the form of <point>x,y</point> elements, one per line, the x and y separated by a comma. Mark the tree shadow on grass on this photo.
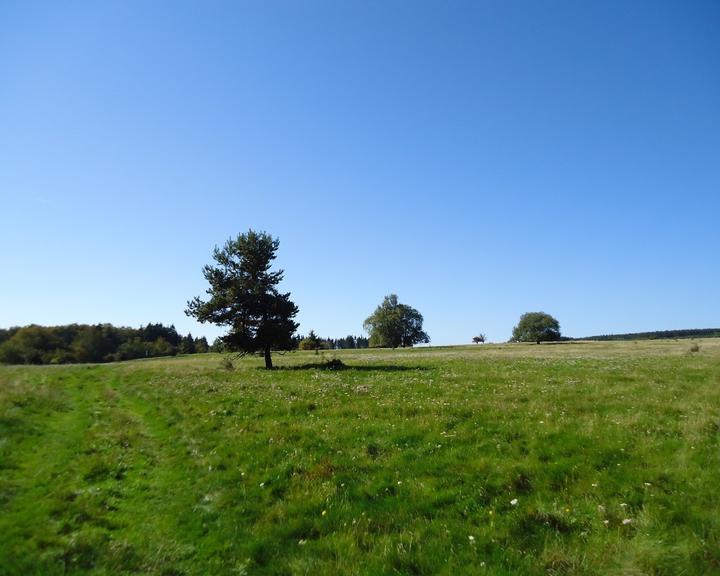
<point>336,365</point>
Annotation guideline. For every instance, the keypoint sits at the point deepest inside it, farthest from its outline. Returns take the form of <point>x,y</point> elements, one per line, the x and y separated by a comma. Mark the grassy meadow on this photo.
<point>574,458</point>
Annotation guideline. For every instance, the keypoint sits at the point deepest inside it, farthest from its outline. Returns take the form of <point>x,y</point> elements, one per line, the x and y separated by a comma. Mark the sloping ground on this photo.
<point>576,458</point>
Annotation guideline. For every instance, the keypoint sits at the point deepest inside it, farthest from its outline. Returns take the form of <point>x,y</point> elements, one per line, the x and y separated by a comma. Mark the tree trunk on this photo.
<point>268,359</point>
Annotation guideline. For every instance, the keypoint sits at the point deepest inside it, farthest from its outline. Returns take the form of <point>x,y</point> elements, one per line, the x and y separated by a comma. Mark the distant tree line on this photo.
<point>81,343</point>
<point>659,335</point>
<point>313,342</point>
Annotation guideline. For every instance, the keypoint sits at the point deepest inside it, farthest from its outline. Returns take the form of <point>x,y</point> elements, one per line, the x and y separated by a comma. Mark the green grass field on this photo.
<point>578,458</point>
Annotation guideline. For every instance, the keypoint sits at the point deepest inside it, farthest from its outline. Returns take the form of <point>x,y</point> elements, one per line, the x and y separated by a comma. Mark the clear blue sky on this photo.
<point>480,159</point>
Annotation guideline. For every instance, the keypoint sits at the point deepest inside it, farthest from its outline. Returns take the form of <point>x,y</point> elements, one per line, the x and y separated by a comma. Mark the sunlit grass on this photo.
<point>583,458</point>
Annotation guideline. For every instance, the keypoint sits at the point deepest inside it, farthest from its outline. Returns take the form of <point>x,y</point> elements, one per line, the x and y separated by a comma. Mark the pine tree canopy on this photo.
<point>243,295</point>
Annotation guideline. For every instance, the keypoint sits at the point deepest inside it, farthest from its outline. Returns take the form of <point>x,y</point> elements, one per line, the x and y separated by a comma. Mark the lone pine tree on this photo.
<point>244,296</point>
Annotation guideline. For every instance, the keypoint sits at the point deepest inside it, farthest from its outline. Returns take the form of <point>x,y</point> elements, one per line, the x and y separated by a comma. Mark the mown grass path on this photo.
<point>588,458</point>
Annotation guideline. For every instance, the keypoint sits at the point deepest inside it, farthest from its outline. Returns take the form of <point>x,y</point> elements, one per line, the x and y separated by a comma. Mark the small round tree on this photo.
<point>536,327</point>
<point>394,324</point>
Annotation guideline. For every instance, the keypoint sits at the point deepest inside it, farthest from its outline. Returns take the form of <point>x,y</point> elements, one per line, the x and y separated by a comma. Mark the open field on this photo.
<point>576,458</point>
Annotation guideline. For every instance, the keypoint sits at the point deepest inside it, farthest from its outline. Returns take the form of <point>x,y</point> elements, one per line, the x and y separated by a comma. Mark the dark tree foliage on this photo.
<point>135,348</point>
<point>660,334</point>
<point>313,342</point>
<point>536,327</point>
<point>31,345</point>
<point>85,343</point>
<point>96,343</point>
<point>201,345</point>
<point>348,343</point>
<point>218,345</point>
<point>152,332</point>
<point>394,324</point>
<point>7,333</point>
<point>187,345</point>
<point>244,297</point>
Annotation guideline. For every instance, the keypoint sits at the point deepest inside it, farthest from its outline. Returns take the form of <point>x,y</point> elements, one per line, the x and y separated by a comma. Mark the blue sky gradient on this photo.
<point>480,159</point>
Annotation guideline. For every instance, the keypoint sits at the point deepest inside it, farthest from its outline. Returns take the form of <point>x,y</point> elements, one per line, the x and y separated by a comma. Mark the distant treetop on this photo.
<point>394,324</point>
<point>536,327</point>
